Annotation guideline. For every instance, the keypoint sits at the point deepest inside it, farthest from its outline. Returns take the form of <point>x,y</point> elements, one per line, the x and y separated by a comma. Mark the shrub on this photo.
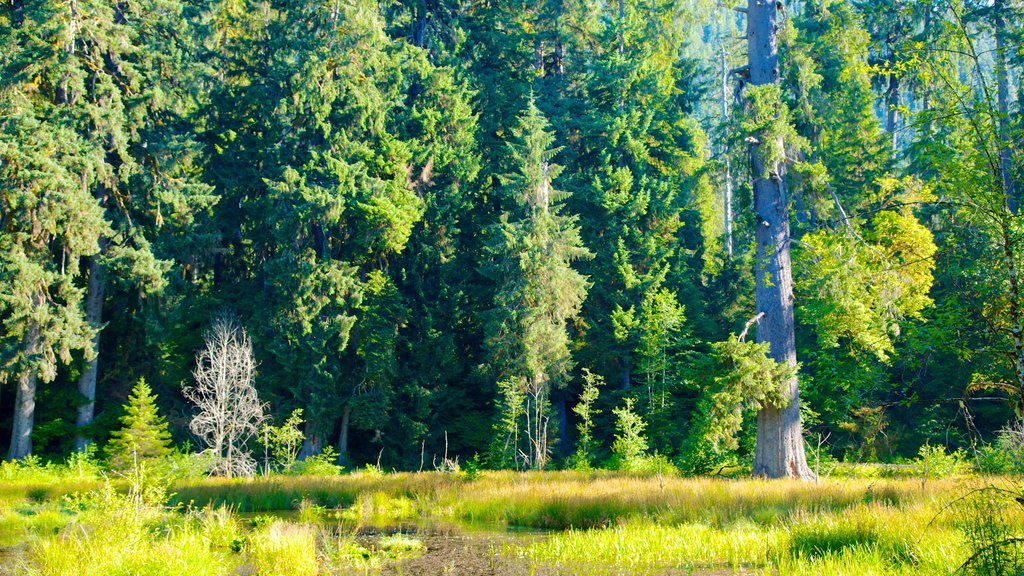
<point>586,445</point>
<point>1006,454</point>
<point>323,464</point>
<point>934,462</point>
<point>284,441</point>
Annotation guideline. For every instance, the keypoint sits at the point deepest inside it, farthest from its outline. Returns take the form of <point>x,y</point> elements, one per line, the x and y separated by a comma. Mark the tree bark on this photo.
<point>25,399</point>
<point>87,381</point>
<point>346,412</point>
<point>892,101</point>
<point>311,443</point>
<point>1003,101</point>
<point>780,446</point>
<point>727,208</point>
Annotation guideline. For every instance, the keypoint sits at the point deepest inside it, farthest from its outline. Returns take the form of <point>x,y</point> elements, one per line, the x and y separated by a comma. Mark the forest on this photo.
<point>359,286</point>
<point>441,223</point>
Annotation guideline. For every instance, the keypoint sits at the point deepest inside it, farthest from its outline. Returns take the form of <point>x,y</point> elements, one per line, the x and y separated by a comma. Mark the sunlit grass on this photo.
<point>559,500</point>
<point>908,538</point>
<point>601,521</point>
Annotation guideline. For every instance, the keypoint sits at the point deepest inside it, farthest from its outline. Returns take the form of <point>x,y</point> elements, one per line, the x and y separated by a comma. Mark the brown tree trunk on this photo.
<point>780,444</point>
<point>25,400</point>
<point>87,380</point>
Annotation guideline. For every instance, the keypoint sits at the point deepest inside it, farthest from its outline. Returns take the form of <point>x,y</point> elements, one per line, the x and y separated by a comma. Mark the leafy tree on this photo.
<point>143,437</point>
<point>586,445</point>
<point>630,446</point>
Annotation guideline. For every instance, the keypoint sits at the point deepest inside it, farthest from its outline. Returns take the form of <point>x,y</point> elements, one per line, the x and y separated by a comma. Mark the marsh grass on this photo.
<point>111,531</point>
<point>560,500</point>
<point>867,539</point>
<point>603,521</point>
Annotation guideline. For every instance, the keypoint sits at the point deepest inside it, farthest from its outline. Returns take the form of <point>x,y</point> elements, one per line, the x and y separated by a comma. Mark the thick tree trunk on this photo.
<point>780,447</point>
<point>1003,98</point>
<point>312,445</point>
<point>87,380</point>
<point>346,412</point>
<point>25,401</point>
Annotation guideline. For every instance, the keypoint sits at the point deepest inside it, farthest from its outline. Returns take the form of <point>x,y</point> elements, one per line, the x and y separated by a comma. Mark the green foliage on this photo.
<point>934,462</point>
<point>742,377</point>
<point>586,445</point>
<point>143,438</point>
<point>284,441</point>
<point>1006,454</point>
<point>408,202</point>
<point>767,123</point>
<point>862,289</point>
<point>504,451</point>
<point>531,255</point>
<point>629,450</point>
<point>323,464</point>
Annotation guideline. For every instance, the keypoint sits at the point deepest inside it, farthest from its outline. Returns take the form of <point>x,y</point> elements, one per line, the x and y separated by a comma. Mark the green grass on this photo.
<point>600,521</point>
<point>867,539</point>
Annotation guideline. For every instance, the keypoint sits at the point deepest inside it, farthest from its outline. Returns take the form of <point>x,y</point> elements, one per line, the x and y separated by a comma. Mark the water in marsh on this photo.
<point>487,550</point>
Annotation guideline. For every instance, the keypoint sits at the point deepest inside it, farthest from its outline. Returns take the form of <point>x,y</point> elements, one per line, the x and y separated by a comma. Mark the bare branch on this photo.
<point>230,412</point>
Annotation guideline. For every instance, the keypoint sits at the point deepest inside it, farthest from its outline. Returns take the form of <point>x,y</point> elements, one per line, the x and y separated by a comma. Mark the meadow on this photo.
<point>61,521</point>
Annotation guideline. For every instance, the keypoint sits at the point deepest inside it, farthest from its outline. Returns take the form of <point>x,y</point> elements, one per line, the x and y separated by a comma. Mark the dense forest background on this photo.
<point>428,213</point>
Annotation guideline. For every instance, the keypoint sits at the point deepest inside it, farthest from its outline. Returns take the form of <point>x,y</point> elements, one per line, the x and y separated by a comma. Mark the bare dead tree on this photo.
<point>230,412</point>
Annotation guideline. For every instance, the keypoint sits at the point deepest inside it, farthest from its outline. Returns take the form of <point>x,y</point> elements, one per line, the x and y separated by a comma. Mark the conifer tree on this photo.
<point>538,292</point>
<point>780,443</point>
<point>143,436</point>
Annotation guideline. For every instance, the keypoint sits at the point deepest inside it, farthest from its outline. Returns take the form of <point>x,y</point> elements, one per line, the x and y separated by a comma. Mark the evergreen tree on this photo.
<point>538,292</point>
<point>143,437</point>
<point>780,443</point>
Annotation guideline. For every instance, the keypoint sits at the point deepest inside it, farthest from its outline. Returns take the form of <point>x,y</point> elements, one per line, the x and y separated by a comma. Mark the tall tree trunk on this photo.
<point>780,444</point>
<point>87,380</point>
<point>727,207</point>
<point>312,445</point>
<point>346,412</point>
<point>25,399</point>
<point>892,102</point>
<point>1003,100</point>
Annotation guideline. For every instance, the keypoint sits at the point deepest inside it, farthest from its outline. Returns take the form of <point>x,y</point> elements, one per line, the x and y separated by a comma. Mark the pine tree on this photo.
<point>143,437</point>
<point>538,291</point>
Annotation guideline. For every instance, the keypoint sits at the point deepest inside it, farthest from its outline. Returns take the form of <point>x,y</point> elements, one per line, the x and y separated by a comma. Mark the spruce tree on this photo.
<point>143,437</point>
<point>538,293</point>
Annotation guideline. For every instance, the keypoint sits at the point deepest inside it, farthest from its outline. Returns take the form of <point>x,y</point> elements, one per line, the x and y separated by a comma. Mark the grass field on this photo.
<point>593,523</point>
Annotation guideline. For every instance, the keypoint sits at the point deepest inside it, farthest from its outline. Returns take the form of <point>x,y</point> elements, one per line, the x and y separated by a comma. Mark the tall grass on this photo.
<point>867,539</point>
<point>561,500</point>
<point>604,521</point>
